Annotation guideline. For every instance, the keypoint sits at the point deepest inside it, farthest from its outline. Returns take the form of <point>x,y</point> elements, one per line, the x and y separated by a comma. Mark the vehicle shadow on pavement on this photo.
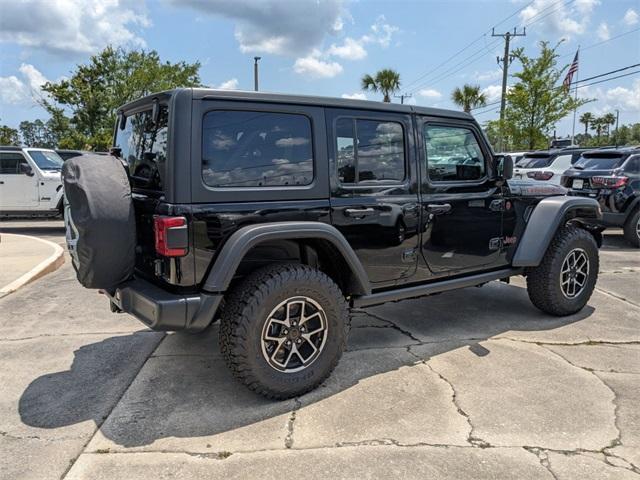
<point>185,390</point>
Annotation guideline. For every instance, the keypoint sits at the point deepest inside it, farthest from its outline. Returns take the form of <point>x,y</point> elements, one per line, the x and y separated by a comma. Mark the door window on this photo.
<point>370,151</point>
<point>256,149</point>
<point>453,154</point>
<point>10,163</point>
<point>633,166</point>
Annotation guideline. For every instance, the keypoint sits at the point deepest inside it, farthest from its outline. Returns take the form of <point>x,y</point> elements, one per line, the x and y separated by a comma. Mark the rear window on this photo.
<point>143,145</point>
<point>599,162</point>
<point>536,162</point>
<point>256,149</point>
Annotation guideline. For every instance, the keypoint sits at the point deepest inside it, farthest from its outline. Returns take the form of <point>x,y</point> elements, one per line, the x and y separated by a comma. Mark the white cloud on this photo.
<point>558,18</point>
<point>351,49</point>
<point>70,27</point>
<point>354,96</point>
<point>431,93</point>
<point>488,75</point>
<point>631,17</point>
<point>627,99</point>
<point>381,32</point>
<point>493,93</point>
<point>314,67</point>
<point>603,31</point>
<point>231,84</point>
<point>275,26</point>
<point>14,90</point>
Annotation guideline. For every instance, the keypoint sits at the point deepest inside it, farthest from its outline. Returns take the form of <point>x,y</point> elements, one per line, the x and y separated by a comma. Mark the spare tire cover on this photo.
<point>100,220</point>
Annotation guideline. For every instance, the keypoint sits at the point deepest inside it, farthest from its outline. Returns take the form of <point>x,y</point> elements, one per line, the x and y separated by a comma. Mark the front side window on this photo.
<point>10,163</point>
<point>369,151</point>
<point>256,149</point>
<point>47,161</point>
<point>143,146</point>
<point>453,154</point>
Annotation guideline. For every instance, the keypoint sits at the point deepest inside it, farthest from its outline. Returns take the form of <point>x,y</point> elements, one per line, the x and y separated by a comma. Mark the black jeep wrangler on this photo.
<point>277,214</point>
<point>611,176</point>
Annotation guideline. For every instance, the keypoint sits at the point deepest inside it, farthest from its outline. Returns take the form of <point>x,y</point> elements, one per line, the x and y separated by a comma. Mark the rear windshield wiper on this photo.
<point>578,167</point>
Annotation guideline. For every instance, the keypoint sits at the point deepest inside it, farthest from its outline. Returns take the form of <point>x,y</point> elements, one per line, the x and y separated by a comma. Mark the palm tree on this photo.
<point>608,120</point>
<point>386,81</point>
<point>586,118</point>
<point>597,124</point>
<point>469,97</point>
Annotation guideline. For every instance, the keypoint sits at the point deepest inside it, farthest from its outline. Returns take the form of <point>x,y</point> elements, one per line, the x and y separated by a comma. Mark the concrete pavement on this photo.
<point>25,258</point>
<point>469,384</point>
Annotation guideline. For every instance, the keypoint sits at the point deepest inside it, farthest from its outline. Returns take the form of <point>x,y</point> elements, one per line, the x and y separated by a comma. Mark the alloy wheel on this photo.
<point>574,273</point>
<point>294,334</point>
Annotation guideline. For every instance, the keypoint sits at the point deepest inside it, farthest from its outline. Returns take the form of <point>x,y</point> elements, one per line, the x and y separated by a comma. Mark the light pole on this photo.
<point>617,120</point>
<point>255,73</point>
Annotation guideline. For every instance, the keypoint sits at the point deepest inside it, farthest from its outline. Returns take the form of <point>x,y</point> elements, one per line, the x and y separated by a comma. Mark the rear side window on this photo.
<point>256,149</point>
<point>143,145</point>
<point>453,154</point>
<point>10,163</point>
<point>633,165</point>
<point>369,151</point>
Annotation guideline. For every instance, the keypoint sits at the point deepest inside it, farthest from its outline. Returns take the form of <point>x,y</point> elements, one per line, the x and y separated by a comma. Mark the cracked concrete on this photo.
<point>469,384</point>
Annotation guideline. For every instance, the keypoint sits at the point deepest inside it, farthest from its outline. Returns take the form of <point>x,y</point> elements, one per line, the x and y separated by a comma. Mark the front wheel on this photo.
<point>564,281</point>
<point>283,329</point>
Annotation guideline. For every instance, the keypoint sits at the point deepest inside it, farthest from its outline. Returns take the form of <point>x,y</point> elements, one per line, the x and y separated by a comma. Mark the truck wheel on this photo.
<point>564,281</point>
<point>283,329</point>
<point>632,229</point>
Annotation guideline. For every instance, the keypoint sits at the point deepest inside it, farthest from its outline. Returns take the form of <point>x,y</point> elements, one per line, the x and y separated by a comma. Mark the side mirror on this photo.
<point>155,111</point>
<point>122,121</point>
<point>504,166</point>
<point>26,169</point>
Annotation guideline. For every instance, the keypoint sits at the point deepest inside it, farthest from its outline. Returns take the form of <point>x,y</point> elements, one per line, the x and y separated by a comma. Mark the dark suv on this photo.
<point>278,214</point>
<point>612,177</point>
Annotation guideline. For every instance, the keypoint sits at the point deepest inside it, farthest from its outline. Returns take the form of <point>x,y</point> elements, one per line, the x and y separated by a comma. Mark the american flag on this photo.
<point>573,68</point>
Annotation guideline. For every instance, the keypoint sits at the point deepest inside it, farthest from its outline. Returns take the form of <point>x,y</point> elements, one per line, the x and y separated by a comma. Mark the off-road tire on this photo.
<point>246,310</point>
<point>543,281</point>
<point>631,230</point>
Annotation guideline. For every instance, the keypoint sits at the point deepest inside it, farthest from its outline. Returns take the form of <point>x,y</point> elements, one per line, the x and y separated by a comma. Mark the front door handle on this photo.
<point>359,212</point>
<point>439,208</point>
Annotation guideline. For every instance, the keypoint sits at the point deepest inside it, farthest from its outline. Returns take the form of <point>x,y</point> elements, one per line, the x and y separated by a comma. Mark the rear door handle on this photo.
<point>439,208</point>
<point>359,212</point>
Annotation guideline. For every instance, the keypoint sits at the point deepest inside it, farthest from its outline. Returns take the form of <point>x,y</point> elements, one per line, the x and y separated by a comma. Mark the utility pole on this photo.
<point>255,73</point>
<point>402,97</point>
<point>505,73</point>
<point>617,120</point>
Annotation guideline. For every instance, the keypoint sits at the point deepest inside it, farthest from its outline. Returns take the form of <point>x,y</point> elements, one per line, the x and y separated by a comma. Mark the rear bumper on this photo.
<point>161,310</point>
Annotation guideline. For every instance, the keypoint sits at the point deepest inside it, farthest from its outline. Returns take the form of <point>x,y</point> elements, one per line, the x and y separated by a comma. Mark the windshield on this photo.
<point>47,161</point>
<point>143,145</point>
<point>535,162</point>
<point>608,162</point>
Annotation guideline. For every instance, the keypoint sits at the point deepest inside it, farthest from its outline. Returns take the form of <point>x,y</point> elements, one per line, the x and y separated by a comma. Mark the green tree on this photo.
<point>38,134</point>
<point>83,107</point>
<point>386,81</point>
<point>535,103</point>
<point>608,120</point>
<point>598,125</point>
<point>469,97</point>
<point>586,118</point>
<point>9,136</point>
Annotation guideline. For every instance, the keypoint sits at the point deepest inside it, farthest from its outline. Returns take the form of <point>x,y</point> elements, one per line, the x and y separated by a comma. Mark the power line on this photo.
<point>609,79</point>
<point>602,42</point>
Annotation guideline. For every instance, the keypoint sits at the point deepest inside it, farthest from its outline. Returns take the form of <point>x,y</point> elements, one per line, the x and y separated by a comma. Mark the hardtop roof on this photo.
<point>241,95</point>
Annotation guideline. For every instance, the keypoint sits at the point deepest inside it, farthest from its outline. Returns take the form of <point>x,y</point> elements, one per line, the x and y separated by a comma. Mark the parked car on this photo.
<point>277,214</point>
<point>612,178</point>
<point>67,154</point>
<point>562,143</point>
<point>546,165</point>
<point>515,156</point>
<point>30,182</point>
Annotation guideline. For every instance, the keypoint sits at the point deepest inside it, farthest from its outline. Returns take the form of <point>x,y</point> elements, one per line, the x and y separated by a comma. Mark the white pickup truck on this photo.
<point>30,182</point>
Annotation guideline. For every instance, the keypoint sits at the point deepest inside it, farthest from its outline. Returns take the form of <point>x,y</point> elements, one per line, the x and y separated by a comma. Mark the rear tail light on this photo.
<point>540,175</point>
<point>609,182</point>
<point>171,236</point>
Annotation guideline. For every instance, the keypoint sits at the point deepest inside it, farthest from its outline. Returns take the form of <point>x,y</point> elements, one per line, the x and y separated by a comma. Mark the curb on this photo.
<point>50,264</point>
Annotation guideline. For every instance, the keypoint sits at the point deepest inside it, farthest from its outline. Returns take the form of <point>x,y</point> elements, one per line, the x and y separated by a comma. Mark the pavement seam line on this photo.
<point>617,297</point>
<point>288,439</point>
<point>115,404</point>
<point>392,325</point>
<point>543,458</point>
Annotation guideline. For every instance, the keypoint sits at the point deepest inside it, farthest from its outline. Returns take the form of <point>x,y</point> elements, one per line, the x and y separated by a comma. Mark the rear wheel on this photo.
<point>564,281</point>
<point>283,329</point>
<point>632,229</point>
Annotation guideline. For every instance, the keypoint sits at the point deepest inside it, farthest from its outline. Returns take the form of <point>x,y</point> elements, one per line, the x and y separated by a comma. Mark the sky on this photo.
<point>324,47</point>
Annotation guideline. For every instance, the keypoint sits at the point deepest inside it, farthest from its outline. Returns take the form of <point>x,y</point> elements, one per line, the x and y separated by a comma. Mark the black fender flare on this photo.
<point>245,238</point>
<point>546,218</point>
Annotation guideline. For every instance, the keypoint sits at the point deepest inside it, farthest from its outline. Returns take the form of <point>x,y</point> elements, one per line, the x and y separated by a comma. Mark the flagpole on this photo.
<point>575,109</point>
